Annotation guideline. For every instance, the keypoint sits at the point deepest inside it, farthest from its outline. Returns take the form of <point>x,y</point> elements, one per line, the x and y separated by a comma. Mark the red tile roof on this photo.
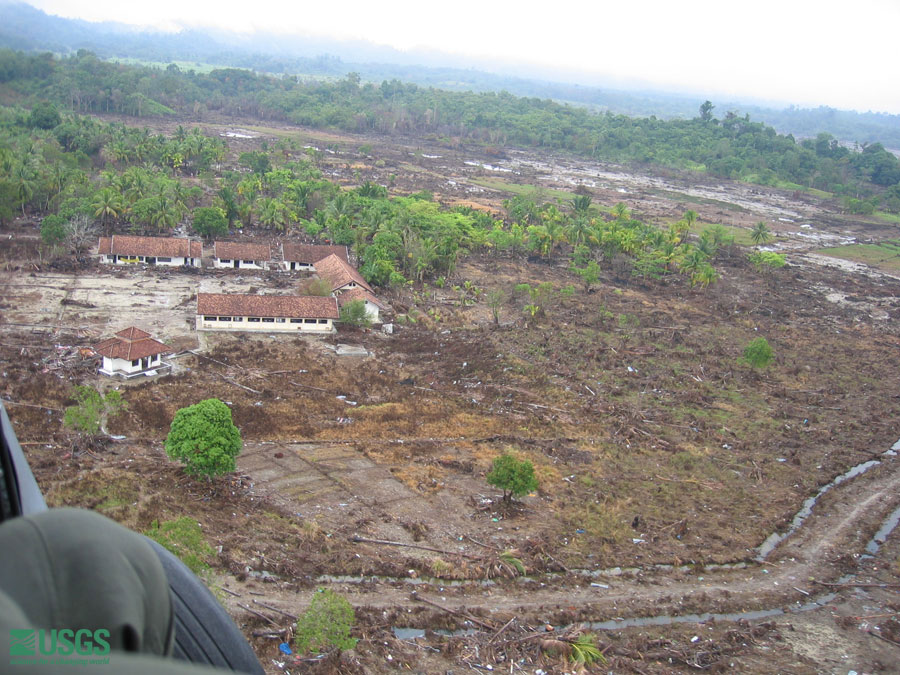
<point>158,247</point>
<point>359,294</point>
<point>133,333</point>
<point>313,253</point>
<point>231,250</point>
<point>339,273</point>
<point>293,306</point>
<point>130,344</point>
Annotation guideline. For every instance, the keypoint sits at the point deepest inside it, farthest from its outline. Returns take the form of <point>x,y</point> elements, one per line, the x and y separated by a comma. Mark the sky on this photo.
<point>809,53</point>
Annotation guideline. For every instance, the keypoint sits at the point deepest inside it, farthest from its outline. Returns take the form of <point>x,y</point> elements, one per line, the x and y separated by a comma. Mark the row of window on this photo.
<point>264,319</point>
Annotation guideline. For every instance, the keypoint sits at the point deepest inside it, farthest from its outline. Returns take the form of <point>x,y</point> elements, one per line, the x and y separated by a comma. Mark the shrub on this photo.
<point>515,477</point>
<point>325,624</point>
<point>758,353</point>
<point>354,314</point>
<point>185,539</point>
<point>86,416</point>
<point>204,439</point>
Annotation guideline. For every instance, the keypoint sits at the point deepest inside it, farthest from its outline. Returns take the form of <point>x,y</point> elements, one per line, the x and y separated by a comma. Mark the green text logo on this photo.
<point>21,642</point>
<point>63,642</point>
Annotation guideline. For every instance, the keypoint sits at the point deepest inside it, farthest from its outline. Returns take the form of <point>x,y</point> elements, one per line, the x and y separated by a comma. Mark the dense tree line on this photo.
<point>81,177</point>
<point>733,147</point>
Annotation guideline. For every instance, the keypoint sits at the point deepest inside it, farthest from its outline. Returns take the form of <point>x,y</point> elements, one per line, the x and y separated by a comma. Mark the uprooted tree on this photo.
<point>514,476</point>
<point>204,439</point>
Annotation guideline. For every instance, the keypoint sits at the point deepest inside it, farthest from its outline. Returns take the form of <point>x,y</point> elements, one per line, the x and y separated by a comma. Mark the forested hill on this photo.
<point>733,147</point>
<point>26,28</point>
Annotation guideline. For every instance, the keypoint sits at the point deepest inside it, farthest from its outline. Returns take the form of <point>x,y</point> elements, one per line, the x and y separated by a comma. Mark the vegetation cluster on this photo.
<point>731,147</point>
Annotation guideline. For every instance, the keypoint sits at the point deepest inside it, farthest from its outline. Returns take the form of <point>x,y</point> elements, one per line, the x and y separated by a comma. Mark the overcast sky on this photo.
<point>808,52</point>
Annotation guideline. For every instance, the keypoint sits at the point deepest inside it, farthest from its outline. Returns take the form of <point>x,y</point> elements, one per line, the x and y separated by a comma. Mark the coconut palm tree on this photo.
<point>760,233</point>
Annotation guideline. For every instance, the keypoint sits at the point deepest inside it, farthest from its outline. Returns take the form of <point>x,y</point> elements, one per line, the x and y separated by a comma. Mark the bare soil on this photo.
<point>660,456</point>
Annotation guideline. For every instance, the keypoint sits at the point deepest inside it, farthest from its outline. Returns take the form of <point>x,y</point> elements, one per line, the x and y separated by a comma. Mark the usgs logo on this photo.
<point>63,642</point>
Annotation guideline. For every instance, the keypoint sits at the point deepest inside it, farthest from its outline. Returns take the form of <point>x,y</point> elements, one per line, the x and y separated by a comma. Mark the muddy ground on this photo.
<point>660,456</point>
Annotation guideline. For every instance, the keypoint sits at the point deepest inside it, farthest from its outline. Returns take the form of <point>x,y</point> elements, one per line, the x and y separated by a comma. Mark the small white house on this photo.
<point>373,304</point>
<point>130,353</point>
<point>121,249</point>
<point>240,256</point>
<point>266,313</point>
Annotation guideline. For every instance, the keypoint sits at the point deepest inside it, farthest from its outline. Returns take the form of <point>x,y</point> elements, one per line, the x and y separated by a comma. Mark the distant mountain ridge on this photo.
<point>25,28</point>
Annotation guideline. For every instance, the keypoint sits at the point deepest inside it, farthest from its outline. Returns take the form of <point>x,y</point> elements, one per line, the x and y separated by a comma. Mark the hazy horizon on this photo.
<point>799,53</point>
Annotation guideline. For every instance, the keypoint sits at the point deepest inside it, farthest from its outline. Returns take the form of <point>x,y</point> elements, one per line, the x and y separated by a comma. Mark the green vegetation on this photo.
<point>210,222</point>
<point>767,261</point>
<point>184,537</point>
<point>884,255</point>
<point>514,476</point>
<point>204,439</point>
<point>758,354</point>
<point>325,624</point>
<point>354,314</point>
<point>731,147</point>
<point>760,234</point>
<point>90,409</point>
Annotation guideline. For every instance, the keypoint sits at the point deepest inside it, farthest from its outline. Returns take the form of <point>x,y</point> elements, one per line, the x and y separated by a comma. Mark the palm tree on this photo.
<point>690,217</point>
<point>165,215</point>
<point>581,204</point>
<point>620,211</point>
<point>704,276</point>
<point>24,180</point>
<point>760,233</point>
<point>107,204</point>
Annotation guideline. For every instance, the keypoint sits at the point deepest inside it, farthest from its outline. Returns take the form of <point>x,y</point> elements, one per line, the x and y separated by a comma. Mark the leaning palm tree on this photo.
<point>760,233</point>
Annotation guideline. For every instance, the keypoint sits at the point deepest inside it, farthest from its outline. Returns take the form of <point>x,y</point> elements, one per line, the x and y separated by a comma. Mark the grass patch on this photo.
<point>884,255</point>
<point>888,217</point>
<point>691,199</point>
<point>521,188</point>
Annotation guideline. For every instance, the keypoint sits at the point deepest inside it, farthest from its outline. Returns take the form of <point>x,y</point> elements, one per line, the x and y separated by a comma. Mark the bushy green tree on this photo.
<point>204,439</point>
<point>210,222</point>
<point>325,624</point>
<point>86,416</point>
<point>354,314</point>
<point>758,354</point>
<point>514,476</point>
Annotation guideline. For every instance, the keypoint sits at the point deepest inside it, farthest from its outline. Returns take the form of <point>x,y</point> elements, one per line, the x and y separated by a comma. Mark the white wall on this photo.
<point>243,323</point>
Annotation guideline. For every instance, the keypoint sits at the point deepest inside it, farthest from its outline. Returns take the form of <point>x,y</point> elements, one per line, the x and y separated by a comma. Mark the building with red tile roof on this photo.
<point>121,249</point>
<point>340,274</point>
<point>305,256</point>
<point>230,254</point>
<point>131,352</point>
<point>266,313</point>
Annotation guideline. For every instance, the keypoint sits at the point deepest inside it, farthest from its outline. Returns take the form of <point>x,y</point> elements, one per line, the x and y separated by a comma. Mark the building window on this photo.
<point>163,260</point>
<point>309,320</point>
<point>136,362</point>
<point>225,260</point>
<point>279,320</point>
<point>238,319</point>
<point>209,318</point>
<point>296,320</point>
<point>268,319</point>
<point>253,319</point>
<point>323,320</point>
<point>224,318</point>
